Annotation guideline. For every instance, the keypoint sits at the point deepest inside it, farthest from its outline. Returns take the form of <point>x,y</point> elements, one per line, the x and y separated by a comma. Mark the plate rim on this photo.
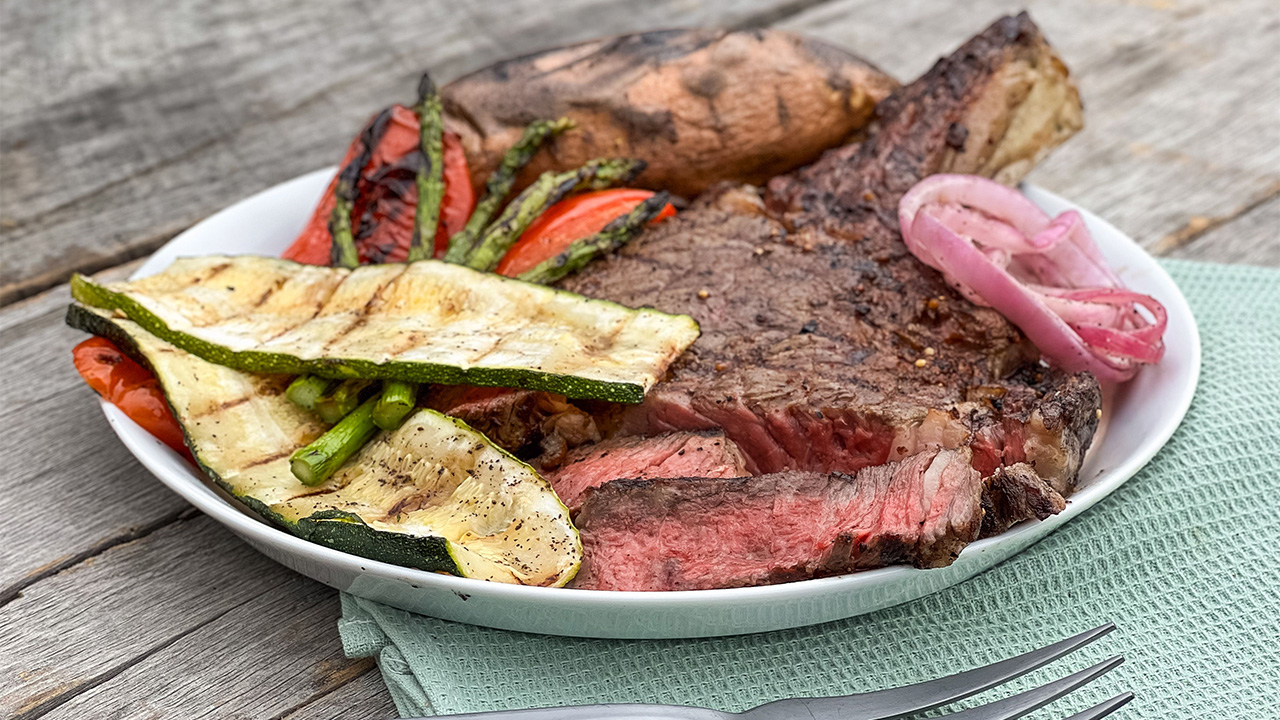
<point>150,453</point>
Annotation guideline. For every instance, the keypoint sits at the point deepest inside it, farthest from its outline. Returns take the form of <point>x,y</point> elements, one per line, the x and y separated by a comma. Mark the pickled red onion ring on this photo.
<point>1045,275</point>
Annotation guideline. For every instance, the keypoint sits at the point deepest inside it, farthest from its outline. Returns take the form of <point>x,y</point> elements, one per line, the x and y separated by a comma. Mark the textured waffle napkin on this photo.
<point>1184,558</point>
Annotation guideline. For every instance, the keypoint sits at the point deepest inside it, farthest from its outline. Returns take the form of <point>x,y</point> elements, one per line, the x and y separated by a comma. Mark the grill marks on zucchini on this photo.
<point>423,322</point>
<point>434,494</point>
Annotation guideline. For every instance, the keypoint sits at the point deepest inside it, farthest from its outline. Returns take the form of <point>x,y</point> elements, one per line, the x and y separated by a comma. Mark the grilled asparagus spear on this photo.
<point>501,182</point>
<point>306,390</point>
<point>617,233</point>
<point>340,400</point>
<point>394,405</point>
<point>343,251</point>
<point>314,463</point>
<point>430,171</point>
<point>547,190</point>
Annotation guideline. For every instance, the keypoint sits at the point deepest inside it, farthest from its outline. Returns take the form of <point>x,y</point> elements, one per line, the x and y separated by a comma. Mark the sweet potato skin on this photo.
<point>700,106</point>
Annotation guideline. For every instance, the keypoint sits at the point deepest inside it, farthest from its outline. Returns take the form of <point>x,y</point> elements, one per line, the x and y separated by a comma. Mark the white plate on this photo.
<point>1141,416</point>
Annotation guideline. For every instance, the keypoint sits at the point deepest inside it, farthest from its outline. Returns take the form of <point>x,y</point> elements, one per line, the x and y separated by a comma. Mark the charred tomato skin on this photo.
<point>383,213</point>
<point>570,220</point>
<point>129,386</point>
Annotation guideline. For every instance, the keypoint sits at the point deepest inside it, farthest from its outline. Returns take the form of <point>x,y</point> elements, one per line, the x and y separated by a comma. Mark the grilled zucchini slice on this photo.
<point>433,494</point>
<point>427,321</point>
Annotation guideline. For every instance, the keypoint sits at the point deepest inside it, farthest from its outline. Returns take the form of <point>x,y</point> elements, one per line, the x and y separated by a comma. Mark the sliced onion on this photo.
<point>1046,275</point>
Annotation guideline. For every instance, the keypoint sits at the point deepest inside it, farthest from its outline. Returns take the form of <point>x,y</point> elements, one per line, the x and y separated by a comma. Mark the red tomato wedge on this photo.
<point>387,197</point>
<point>130,387</point>
<point>568,221</point>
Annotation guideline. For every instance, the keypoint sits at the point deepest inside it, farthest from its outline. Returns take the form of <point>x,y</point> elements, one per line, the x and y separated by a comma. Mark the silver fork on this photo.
<point>881,704</point>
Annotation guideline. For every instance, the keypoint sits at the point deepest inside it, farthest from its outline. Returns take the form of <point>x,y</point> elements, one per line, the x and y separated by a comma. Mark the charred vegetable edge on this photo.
<point>335,529</point>
<point>90,293</point>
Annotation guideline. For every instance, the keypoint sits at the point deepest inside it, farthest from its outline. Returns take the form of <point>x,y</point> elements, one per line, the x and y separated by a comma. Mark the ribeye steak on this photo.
<point>826,346</point>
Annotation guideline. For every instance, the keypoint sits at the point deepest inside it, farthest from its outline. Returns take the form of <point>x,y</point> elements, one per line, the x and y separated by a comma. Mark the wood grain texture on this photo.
<point>124,123</point>
<point>1253,238</point>
<point>185,622</point>
<point>1182,120</point>
<point>60,454</point>
<point>364,696</point>
<point>127,122</point>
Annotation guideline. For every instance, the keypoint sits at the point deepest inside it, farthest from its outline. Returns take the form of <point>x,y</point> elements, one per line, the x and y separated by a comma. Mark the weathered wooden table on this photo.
<point>124,123</point>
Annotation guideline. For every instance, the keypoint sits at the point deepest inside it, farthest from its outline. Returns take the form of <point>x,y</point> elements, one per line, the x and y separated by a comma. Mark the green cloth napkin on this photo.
<point>1184,558</point>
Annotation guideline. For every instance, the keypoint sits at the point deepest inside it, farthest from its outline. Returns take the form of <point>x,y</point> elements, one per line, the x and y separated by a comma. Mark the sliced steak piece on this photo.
<point>702,533</point>
<point>826,346</point>
<point>1015,493</point>
<point>679,454</point>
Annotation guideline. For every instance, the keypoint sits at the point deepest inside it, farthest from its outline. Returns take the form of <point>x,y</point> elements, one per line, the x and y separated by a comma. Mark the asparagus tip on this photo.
<point>426,86</point>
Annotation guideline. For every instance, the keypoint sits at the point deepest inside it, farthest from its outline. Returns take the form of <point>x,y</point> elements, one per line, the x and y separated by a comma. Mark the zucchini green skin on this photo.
<point>347,532</point>
<point>491,330</point>
<point>242,438</point>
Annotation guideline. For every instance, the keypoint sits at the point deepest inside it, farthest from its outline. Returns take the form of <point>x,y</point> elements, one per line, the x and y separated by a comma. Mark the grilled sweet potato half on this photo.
<point>699,106</point>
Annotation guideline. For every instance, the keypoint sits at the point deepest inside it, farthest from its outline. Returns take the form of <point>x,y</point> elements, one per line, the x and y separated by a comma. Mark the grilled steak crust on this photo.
<point>1015,493</point>
<point>995,107</point>
<point>826,346</point>
<point>781,527</point>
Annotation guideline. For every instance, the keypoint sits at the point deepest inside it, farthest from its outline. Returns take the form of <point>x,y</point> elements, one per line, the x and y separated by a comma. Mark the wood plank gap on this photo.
<point>47,706</point>
<point>1199,225</point>
<point>138,173</point>
<point>27,287</point>
<point>14,591</point>
<point>769,17</point>
<point>30,287</point>
<point>39,310</point>
<point>365,666</point>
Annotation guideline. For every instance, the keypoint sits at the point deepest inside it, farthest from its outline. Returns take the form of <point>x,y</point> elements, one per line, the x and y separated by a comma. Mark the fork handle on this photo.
<point>617,711</point>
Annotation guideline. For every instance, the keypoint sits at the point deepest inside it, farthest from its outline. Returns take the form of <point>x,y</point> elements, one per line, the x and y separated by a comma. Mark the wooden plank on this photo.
<point>201,625</point>
<point>278,654</point>
<point>127,122</point>
<point>1251,238</point>
<point>363,697</point>
<point>1182,121</point>
<point>34,344</point>
<point>149,592</point>
<point>174,589</point>
<point>71,490</point>
<point>105,501</point>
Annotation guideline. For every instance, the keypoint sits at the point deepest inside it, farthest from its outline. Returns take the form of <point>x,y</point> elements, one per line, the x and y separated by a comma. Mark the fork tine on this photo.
<point>1018,705</point>
<point>911,699</point>
<point>1103,709</point>
<point>936,693</point>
